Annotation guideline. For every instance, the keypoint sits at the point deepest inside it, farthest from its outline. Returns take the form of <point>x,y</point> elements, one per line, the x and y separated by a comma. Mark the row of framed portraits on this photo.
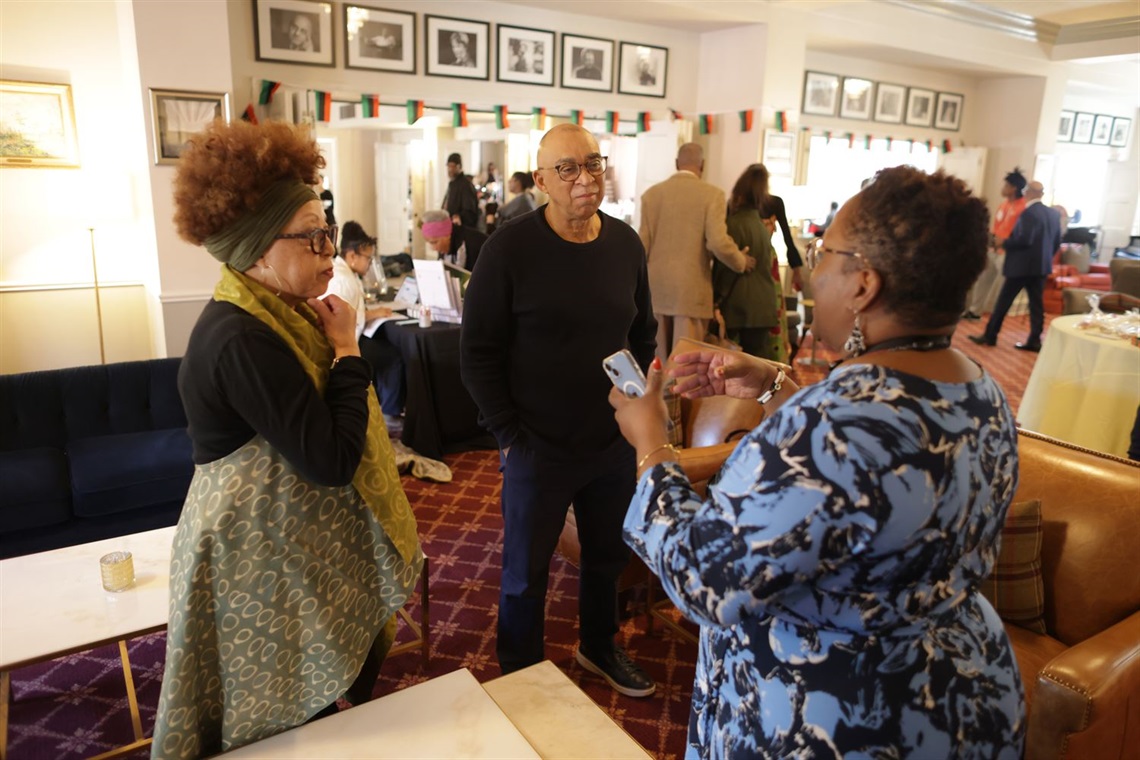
<point>857,98</point>
<point>379,39</point>
<point>1095,129</point>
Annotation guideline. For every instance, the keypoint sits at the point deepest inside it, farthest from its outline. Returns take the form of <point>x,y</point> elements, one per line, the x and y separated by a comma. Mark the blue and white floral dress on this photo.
<point>834,571</point>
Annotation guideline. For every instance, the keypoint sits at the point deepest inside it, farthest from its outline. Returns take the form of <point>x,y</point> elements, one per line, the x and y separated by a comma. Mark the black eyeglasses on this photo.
<point>817,249</point>
<point>316,238</point>
<point>568,171</point>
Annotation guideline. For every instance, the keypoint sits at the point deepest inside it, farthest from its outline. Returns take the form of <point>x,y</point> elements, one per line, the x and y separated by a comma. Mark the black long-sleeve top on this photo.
<point>539,316</point>
<point>239,379</point>
<point>775,207</point>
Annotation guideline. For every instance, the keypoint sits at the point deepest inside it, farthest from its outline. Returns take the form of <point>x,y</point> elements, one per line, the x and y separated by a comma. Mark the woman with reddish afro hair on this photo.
<point>296,545</point>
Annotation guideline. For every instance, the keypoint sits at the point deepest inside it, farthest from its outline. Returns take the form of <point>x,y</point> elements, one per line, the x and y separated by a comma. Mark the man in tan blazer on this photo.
<point>682,228</point>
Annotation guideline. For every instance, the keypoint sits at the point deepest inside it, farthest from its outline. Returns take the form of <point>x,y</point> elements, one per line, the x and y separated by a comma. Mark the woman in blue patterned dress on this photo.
<point>834,568</point>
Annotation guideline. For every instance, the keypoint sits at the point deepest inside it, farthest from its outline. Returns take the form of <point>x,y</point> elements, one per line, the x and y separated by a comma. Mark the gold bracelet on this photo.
<point>645,458</point>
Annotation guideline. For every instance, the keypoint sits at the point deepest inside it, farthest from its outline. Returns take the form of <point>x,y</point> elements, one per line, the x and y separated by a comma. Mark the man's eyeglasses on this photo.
<point>816,250</point>
<point>316,238</point>
<point>568,171</point>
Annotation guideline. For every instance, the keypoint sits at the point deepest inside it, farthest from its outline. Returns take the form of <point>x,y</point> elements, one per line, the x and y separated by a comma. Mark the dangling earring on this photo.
<point>855,345</point>
<point>275,276</point>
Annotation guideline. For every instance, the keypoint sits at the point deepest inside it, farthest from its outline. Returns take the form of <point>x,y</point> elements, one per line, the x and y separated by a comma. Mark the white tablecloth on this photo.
<point>1085,388</point>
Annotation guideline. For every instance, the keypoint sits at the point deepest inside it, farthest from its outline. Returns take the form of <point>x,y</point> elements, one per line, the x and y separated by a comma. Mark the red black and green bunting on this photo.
<point>705,123</point>
<point>267,91</point>
<point>370,106</point>
<point>946,147</point>
<point>415,111</point>
<point>323,102</point>
<point>538,118</point>
<point>675,114</point>
<point>930,145</point>
<point>782,121</point>
<point>890,142</point>
<point>250,114</point>
<point>459,114</point>
<point>850,139</point>
<point>643,121</point>
<point>827,135</point>
<point>746,120</point>
<point>867,142</point>
<point>576,117</point>
<point>502,121</point>
<point>612,120</point>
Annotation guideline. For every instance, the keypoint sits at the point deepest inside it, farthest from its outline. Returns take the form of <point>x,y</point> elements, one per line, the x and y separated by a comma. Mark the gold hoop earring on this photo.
<point>273,271</point>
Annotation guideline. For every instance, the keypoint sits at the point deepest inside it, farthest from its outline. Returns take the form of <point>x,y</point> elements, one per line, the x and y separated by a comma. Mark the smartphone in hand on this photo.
<point>624,373</point>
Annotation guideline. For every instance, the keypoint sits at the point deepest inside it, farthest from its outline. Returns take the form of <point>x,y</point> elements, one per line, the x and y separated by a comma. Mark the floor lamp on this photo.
<point>98,300</point>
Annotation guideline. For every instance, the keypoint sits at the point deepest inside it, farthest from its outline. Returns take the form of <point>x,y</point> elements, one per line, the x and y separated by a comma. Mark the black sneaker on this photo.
<point>623,674</point>
<point>971,316</point>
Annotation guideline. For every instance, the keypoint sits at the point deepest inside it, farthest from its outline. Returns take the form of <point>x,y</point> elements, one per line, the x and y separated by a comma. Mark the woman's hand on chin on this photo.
<point>643,421</point>
<point>338,320</point>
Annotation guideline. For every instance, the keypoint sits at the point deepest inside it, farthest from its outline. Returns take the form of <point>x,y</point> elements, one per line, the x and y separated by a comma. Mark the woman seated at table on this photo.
<point>834,568</point>
<point>520,185</point>
<point>296,545</point>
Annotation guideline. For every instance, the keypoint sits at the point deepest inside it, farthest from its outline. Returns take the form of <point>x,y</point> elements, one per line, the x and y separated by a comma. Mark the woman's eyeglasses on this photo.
<point>316,238</point>
<point>816,250</point>
<point>570,170</point>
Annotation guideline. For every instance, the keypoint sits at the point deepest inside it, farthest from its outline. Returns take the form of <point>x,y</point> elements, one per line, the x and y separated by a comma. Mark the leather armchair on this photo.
<point>1123,292</point>
<point>1068,275</point>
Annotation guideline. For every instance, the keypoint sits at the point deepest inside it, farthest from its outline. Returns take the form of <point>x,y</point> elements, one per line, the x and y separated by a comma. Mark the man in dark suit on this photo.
<point>1028,260</point>
<point>461,200</point>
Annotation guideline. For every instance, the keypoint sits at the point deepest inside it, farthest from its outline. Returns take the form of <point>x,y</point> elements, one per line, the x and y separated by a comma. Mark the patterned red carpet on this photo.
<point>76,706</point>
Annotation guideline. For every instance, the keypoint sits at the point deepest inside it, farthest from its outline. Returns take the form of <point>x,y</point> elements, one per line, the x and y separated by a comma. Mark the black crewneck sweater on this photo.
<point>540,314</point>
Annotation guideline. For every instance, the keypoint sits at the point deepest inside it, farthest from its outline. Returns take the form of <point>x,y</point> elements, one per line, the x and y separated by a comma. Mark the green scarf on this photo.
<point>376,478</point>
<point>248,237</point>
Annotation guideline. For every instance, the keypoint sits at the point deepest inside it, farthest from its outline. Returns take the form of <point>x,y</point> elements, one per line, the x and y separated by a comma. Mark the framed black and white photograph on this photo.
<point>379,39</point>
<point>1121,128</point>
<point>857,99</point>
<point>642,69</point>
<point>1083,127</point>
<point>456,47</point>
<point>587,63</point>
<point>1065,126</point>
<point>920,107</point>
<point>294,31</point>
<point>1102,130</point>
<point>890,103</point>
<point>525,55</point>
<point>948,111</point>
<point>779,153</point>
<point>177,114</point>
<point>821,93</point>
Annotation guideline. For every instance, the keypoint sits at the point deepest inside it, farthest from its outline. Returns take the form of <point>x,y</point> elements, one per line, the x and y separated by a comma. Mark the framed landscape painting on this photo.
<point>294,31</point>
<point>1065,126</point>
<point>37,125</point>
<point>642,69</point>
<point>919,107</point>
<point>857,99</point>
<point>525,55</point>
<point>1121,127</point>
<point>587,63</point>
<point>821,93</point>
<point>456,47</point>
<point>890,103</point>
<point>379,39</point>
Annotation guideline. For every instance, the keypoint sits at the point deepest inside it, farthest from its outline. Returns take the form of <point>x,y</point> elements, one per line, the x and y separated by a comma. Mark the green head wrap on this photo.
<point>244,241</point>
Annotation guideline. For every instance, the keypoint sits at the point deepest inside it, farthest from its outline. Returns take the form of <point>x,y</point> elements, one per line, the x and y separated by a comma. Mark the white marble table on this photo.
<point>447,717</point>
<point>557,717</point>
<point>53,603</point>
<point>1084,388</point>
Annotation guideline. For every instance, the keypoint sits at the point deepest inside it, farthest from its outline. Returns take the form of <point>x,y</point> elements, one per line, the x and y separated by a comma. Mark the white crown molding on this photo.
<point>964,11</point>
<point>1099,31</point>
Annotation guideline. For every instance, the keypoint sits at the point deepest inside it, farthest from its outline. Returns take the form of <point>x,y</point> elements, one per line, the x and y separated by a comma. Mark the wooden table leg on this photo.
<point>133,703</point>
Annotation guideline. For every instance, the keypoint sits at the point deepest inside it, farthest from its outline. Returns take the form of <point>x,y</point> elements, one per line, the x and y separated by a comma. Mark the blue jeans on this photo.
<point>537,491</point>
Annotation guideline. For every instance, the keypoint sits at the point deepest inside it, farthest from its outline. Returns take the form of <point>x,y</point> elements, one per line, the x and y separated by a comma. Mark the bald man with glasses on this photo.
<point>556,291</point>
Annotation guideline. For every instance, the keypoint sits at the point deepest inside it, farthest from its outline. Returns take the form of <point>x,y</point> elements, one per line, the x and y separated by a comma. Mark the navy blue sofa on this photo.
<point>90,452</point>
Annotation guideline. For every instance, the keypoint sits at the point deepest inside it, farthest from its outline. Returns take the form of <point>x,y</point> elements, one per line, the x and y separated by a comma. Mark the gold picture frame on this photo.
<point>177,114</point>
<point>37,125</point>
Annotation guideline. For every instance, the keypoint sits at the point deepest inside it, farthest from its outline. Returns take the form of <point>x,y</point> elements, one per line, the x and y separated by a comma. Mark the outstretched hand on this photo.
<point>721,373</point>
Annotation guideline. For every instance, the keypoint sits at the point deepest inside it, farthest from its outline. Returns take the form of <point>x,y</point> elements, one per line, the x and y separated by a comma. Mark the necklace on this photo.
<point>909,343</point>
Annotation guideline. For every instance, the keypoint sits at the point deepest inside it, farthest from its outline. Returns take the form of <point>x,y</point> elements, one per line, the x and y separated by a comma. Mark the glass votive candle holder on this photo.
<point>118,571</point>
